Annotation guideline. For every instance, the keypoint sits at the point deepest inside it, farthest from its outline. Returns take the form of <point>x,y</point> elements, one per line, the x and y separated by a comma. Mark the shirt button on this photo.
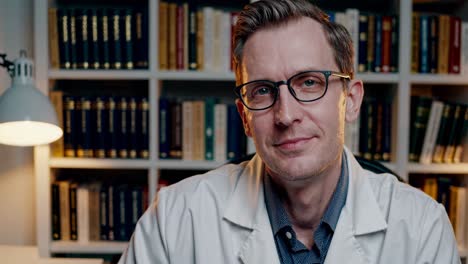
<point>288,235</point>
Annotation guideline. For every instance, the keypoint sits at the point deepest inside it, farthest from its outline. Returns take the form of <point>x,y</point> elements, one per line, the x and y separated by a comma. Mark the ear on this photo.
<point>243,115</point>
<point>354,96</point>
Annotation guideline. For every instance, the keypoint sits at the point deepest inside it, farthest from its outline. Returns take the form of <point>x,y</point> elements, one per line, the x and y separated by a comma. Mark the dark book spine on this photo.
<point>133,146</point>
<point>64,38</point>
<point>192,38</point>
<point>113,129</point>
<point>101,123</point>
<point>234,136</point>
<point>362,60</point>
<point>116,39</point>
<point>387,131</point>
<point>120,214</point>
<point>141,39</point>
<point>378,121</point>
<point>443,191</point>
<point>82,38</point>
<point>85,145</point>
<point>209,128</point>
<point>94,39</point>
<point>433,43</point>
<point>122,127</point>
<point>424,39</point>
<point>136,207</point>
<point>455,129</point>
<point>144,128</point>
<point>104,212</point>
<point>55,195</point>
<point>164,128</point>
<point>127,41</point>
<point>176,128</point>
<point>73,212</point>
<point>442,134</point>
<point>69,135</point>
<point>110,212</point>
<point>418,126</point>
<point>104,39</point>
<point>367,128</point>
<point>371,43</point>
<point>461,137</point>
<point>73,42</point>
<point>394,45</point>
<point>378,43</point>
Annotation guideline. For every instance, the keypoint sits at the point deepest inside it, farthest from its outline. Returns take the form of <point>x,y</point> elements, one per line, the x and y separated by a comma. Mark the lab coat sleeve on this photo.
<point>147,244</point>
<point>437,243</point>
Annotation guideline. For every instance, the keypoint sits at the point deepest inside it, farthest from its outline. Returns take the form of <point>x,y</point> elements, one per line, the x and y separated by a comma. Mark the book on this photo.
<point>198,130</point>
<point>464,49</point>
<point>144,128</point>
<point>133,128</point>
<point>127,38</point>
<point>220,133</point>
<point>164,128</point>
<point>433,41</point>
<point>387,131</point>
<point>430,187</point>
<point>104,212</point>
<point>187,130</point>
<point>64,194</point>
<point>94,52</point>
<point>70,128</point>
<point>386,42</point>
<point>115,37</point>
<point>209,128</point>
<point>82,197</point>
<point>163,35</point>
<point>415,36</point>
<point>454,45</point>
<point>442,134</point>
<point>104,26</point>
<point>64,45</point>
<point>101,126</point>
<point>460,141</point>
<point>113,132</point>
<point>378,43</point>
<point>122,127</point>
<point>84,147</point>
<point>53,35</point>
<point>192,37</point>
<point>421,106</point>
<point>55,211</point>
<point>443,45</point>
<point>353,20</point>
<point>56,98</point>
<point>175,150</point>
<point>140,39</point>
<point>455,130</point>
<point>367,128</point>
<point>73,38</point>
<point>94,223</point>
<point>172,36</point>
<point>430,136</point>
<point>73,211</point>
<point>83,38</point>
<point>371,42</point>
<point>394,46</point>
<point>424,39</point>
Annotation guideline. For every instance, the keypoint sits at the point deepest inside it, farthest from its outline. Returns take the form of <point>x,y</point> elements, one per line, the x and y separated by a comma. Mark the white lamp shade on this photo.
<point>27,117</point>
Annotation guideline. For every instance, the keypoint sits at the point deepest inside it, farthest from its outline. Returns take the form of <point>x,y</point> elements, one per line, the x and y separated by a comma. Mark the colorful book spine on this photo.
<point>163,35</point>
<point>424,39</point>
<point>455,45</point>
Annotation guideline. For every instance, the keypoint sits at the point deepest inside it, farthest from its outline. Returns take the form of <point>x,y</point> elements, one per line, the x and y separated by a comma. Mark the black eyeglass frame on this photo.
<point>277,84</point>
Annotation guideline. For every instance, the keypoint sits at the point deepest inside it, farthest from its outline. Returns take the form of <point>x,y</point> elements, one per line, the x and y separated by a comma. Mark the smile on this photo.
<point>292,144</point>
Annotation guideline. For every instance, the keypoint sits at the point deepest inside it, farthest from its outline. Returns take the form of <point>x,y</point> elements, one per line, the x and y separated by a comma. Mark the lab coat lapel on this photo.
<point>246,210</point>
<point>361,217</point>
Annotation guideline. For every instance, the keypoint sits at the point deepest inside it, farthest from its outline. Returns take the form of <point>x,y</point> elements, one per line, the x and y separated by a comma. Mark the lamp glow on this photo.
<point>27,118</point>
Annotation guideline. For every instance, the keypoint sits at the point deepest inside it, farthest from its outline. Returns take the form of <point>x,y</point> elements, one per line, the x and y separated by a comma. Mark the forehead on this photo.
<point>280,51</point>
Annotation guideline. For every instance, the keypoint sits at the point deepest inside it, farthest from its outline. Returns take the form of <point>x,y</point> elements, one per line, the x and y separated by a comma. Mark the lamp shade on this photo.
<point>27,117</point>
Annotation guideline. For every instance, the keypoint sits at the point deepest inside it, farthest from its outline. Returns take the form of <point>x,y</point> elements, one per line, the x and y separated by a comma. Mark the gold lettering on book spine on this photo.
<point>128,36</point>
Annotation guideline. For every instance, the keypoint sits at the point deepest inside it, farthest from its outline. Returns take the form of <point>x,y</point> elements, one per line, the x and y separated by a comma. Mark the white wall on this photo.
<point>17,192</point>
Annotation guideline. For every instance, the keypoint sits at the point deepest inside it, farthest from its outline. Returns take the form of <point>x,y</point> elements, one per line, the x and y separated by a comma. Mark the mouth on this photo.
<point>292,144</point>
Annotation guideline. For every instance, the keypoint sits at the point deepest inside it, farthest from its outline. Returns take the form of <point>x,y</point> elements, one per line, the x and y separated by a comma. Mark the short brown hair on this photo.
<point>266,13</point>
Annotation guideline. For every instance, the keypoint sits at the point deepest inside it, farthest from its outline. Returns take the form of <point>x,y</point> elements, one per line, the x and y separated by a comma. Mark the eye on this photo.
<point>260,90</point>
<point>309,82</point>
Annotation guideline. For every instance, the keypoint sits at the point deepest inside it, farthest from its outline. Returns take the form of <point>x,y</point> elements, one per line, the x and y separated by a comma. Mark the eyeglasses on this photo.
<point>305,86</point>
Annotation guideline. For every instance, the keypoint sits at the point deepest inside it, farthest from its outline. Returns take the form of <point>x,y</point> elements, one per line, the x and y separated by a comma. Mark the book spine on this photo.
<point>200,40</point>
<point>122,126</point>
<point>53,28</point>
<point>209,128</point>
<point>105,38</point>
<point>73,40</point>
<point>234,134</point>
<point>192,38</point>
<point>116,39</point>
<point>69,135</point>
<point>83,38</point>
<point>431,132</point>
<point>64,194</point>
<point>419,125</point>
<point>187,130</point>
<point>371,43</point>
<point>198,125</point>
<point>378,119</point>
<point>111,145</point>
<point>101,126</point>
<point>83,213</point>
<point>55,195</point>
<point>464,49</point>
<point>443,44</point>
<point>386,42</point>
<point>455,43</point>
<point>94,39</point>
<point>362,52</point>
<point>394,53</point>
<point>56,98</point>
<point>85,148</point>
<point>111,222</point>
<point>172,36</point>
<point>140,39</point>
<point>164,128</point>
<point>424,44</point>
<point>433,40</point>
<point>127,40</point>
<point>136,207</point>
<point>180,37</point>
<point>73,212</point>
<point>144,128</point>
<point>134,145</point>
<point>415,43</point>
<point>387,131</point>
<point>442,134</point>
<point>64,38</point>
<point>176,128</point>
<point>104,212</point>
<point>163,35</point>
<point>460,144</point>
<point>220,135</point>
<point>378,43</point>
<point>456,128</point>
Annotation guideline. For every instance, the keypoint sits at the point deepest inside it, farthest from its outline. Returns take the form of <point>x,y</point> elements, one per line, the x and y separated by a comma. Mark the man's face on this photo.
<point>296,140</point>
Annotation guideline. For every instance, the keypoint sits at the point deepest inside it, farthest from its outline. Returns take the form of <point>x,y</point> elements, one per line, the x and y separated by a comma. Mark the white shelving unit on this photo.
<point>44,164</point>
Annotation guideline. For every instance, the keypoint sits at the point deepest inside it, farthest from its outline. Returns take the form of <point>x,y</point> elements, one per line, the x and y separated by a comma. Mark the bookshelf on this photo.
<point>46,165</point>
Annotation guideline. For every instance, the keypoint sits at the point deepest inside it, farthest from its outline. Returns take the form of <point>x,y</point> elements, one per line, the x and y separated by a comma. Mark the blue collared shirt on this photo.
<point>290,249</point>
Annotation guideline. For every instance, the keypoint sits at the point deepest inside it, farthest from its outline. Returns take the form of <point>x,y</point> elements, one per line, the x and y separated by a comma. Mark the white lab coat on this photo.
<point>220,218</point>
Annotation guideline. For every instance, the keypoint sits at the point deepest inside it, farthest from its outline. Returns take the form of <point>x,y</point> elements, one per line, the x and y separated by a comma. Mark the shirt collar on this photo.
<point>277,213</point>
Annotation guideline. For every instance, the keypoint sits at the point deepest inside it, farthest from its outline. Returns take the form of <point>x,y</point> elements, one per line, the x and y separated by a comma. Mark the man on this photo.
<point>303,198</point>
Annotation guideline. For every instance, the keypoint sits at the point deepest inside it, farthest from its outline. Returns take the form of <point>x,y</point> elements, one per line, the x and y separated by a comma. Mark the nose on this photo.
<point>286,110</point>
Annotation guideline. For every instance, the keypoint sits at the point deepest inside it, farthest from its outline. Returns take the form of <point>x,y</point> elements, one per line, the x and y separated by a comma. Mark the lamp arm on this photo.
<point>9,65</point>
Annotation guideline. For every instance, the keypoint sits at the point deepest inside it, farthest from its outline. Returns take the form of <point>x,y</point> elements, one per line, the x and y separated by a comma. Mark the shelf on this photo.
<point>458,168</point>
<point>463,251</point>
<point>90,163</point>
<point>189,164</point>
<point>95,247</point>
<point>195,76</point>
<point>100,74</point>
<point>439,79</point>
<point>378,77</point>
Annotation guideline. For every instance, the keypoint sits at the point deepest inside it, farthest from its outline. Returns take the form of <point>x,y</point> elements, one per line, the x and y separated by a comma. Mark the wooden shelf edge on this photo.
<point>101,247</point>
<point>456,168</point>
